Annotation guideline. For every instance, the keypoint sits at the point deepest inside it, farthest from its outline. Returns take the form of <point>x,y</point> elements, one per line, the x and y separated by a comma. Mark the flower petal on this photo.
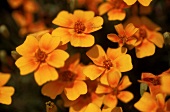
<point>113,37</point>
<point>82,40</point>
<point>129,2</point>
<point>103,89</point>
<point>97,55</point>
<point>4,78</point>
<point>120,30</point>
<point>145,49</point>
<point>161,99</point>
<point>75,89</point>
<point>165,83</point>
<point>113,53</point>
<point>125,96</point>
<point>123,63</point>
<point>109,109</point>
<point>64,19</point>
<point>29,47</point>
<point>124,83</point>
<point>130,30</point>
<point>83,15</point>
<point>53,88</point>
<point>146,103</point>
<point>48,43</point>
<point>110,100</point>
<point>93,24</point>
<point>105,7</point>
<point>27,65</point>
<point>45,73</point>
<point>157,39</point>
<point>57,58</point>
<point>93,107</point>
<point>6,93</point>
<point>63,33</point>
<point>116,14</point>
<point>145,2</point>
<point>113,78</point>
<point>93,71</point>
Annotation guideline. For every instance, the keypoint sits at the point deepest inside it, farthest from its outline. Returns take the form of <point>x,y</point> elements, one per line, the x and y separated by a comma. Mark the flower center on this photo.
<point>79,27</point>
<point>107,64</point>
<point>123,39</point>
<point>142,33</point>
<point>40,56</point>
<point>67,76</point>
<point>154,81</point>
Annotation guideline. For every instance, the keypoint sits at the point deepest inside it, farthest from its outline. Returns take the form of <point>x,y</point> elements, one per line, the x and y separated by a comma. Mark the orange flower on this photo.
<point>147,36</point>
<point>76,27</point>
<point>115,89</point>
<point>115,9</point>
<point>143,2</point>
<point>125,36</point>
<point>71,81</point>
<point>148,103</point>
<point>5,91</point>
<point>115,59</point>
<point>154,81</point>
<point>42,57</point>
<point>81,103</point>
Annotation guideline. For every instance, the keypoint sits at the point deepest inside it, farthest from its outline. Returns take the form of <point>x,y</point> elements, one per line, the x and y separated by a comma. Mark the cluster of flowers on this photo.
<point>99,85</point>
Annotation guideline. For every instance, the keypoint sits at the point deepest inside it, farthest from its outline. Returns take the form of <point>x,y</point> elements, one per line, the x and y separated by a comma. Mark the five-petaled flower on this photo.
<point>113,59</point>
<point>149,103</point>
<point>115,90</point>
<point>5,91</point>
<point>76,28</point>
<point>147,36</point>
<point>125,35</point>
<point>115,9</point>
<point>71,80</point>
<point>41,56</point>
<point>142,2</point>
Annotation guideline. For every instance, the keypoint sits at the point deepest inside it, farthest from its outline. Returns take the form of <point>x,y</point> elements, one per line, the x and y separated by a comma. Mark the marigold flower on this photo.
<point>147,36</point>
<point>42,57</point>
<point>116,59</point>
<point>71,81</point>
<point>77,27</point>
<point>125,35</point>
<point>115,9</point>
<point>92,108</point>
<point>115,90</point>
<point>142,2</point>
<point>5,91</point>
<point>154,81</point>
<point>148,103</point>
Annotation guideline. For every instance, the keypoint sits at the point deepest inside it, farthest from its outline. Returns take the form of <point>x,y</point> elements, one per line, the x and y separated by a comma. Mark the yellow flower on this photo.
<point>76,28</point>
<point>115,59</point>
<point>115,89</point>
<point>42,57</point>
<point>71,80</point>
<point>115,9</point>
<point>143,2</point>
<point>125,35</point>
<point>147,36</point>
<point>5,91</point>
